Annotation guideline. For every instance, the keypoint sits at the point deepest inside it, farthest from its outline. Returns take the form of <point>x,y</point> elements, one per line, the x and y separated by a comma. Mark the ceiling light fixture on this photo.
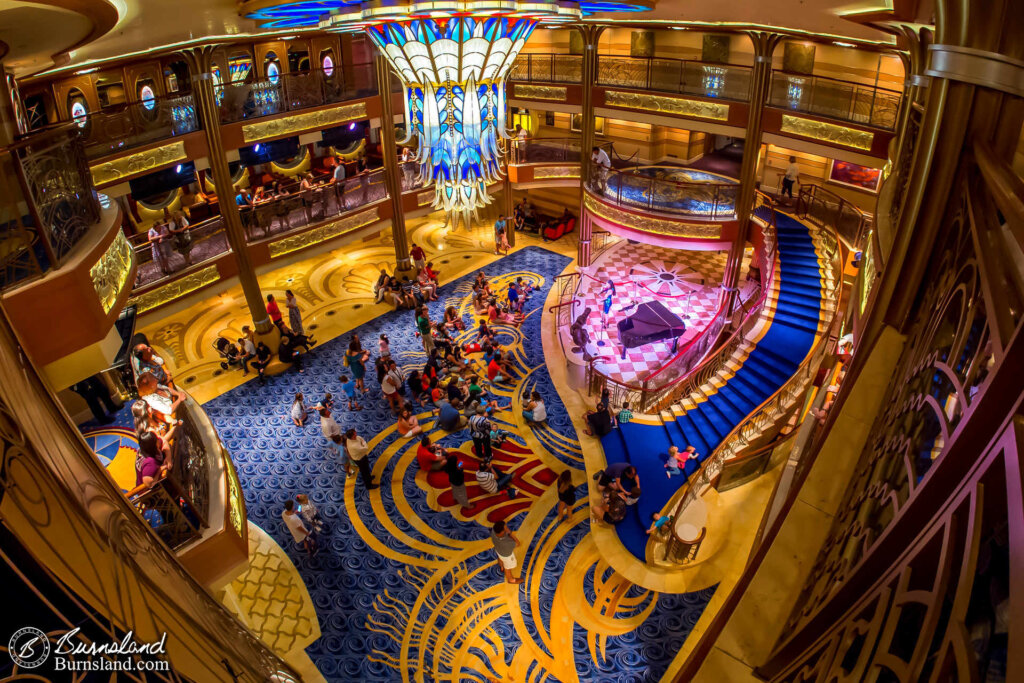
<point>453,57</point>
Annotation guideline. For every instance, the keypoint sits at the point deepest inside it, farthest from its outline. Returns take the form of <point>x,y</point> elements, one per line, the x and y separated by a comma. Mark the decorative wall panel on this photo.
<point>111,272</point>
<point>658,226</point>
<point>331,230</point>
<point>547,172</point>
<point>827,132</point>
<point>175,290</point>
<point>677,106</point>
<point>140,162</point>
<point>542,92</point>
<point>290,125</point>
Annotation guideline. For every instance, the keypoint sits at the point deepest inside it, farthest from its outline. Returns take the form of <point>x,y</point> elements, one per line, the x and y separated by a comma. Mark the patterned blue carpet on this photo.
<point>408,588</point>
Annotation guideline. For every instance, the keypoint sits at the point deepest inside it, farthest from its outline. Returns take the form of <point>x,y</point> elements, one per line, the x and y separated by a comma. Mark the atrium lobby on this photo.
<point>548,341</point>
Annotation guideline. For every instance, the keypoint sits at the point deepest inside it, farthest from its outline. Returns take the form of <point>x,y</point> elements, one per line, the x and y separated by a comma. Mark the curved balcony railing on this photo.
<point>691,365</point>
<point>294,91</point>
<point>197,244</point>
<point>832,98</point>
<point>297,210</point>
<point>550,150</point>
<point>638,190</point>
<point>116,129</point>
<point>547,68</point>
<point>681,76</point>
<point>826,208</point>
<point>48,205</point>
<point>177,506</point>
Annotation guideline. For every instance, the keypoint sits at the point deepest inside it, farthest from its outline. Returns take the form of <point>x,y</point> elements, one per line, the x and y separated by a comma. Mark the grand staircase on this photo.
<point>793,316</point>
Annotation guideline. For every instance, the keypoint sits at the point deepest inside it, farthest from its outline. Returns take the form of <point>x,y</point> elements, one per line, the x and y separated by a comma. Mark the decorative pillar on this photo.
<point>760,82</point>
<point>590,34</point>
<point>392,179</point>
<point>506,188</point>
<point>200,62</point>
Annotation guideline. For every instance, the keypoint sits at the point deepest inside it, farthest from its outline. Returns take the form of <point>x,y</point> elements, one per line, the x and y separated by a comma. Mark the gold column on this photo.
<point>392,179</point>
<point>760,82</point>
<point>200,61</point>
<point>591,34</point>
<point>506,187</point>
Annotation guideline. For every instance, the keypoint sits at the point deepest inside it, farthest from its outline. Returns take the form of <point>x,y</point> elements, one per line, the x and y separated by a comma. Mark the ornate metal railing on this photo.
<point>704,79</point>
<point>691,366</point>
<point>825,208</point>
<point>296,211</point>
<point>201,242</point>
<point>832,98</point>
<point>547,68</point>
<point>635,190</point>
<point>549,150</point>
<point>566,285</point>
<point>19,238</point>
<point>177,506</point>
<point>126,126</point>
<point>294,91</point>
<point>766,421</point>
<point>54,180</point>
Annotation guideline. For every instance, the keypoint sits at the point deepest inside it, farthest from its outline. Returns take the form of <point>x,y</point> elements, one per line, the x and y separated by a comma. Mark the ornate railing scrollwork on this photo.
<point>59,189</point>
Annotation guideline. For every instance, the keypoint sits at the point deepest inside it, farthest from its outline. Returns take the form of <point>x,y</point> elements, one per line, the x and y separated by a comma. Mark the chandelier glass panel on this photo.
<point>452,58</point>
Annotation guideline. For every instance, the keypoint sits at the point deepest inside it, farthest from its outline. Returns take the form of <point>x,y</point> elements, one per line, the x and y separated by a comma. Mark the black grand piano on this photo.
<point>651,322</point>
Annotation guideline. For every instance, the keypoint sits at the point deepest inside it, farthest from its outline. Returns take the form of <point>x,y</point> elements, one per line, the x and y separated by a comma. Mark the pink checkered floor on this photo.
<point>686,282</point>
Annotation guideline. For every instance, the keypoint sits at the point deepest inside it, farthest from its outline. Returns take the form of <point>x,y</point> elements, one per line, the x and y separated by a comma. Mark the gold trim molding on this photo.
<point>335,228</point>
<point>175,290</point>
<point>110,273</point>
<point>677,106</point>
<point>542,92</point>
<point>289,125</point>
<point>656,226</point>
<point>140,162</point>
<point>552,172</point>
<point>827,132</point>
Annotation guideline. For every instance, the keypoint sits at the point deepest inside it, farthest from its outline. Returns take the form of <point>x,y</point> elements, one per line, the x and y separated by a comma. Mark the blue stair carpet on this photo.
<point>774,359</point>
<point>398,574</point>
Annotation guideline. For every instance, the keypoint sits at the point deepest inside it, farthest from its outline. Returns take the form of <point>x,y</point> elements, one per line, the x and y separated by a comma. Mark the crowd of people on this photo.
<point>457,389</point>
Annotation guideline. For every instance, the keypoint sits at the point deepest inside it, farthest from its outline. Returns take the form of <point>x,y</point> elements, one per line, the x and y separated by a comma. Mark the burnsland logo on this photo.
<point>30,648</point>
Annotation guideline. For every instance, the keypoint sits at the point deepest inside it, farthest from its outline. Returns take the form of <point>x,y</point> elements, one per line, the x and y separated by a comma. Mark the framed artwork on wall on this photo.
<point>549,118</point>
<point>852,175</point>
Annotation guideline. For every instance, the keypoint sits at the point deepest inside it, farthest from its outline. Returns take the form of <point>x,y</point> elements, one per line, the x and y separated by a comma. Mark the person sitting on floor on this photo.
<point>428,457</point>
<point>452,320</point>
<point>448,416</point>
<point>492,480</point>
<point>496,314</point>
<point>535,410</point>
<point>599,421</point>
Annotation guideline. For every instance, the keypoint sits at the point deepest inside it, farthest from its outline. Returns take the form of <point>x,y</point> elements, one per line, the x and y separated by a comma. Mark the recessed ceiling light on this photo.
<point>82,72</point>
<point>841,44</point>
<point>287,37</point>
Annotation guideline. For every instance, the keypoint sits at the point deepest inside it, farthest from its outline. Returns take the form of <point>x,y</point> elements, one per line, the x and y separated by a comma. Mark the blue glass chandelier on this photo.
<point>452,57</point>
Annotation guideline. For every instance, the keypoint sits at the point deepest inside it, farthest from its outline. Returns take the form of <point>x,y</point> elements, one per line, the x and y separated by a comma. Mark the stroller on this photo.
<point>229,353</point>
